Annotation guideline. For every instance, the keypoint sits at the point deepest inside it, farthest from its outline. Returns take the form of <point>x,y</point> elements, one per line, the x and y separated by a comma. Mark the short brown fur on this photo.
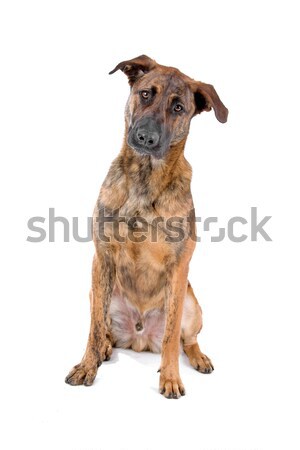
<point>152,273</point>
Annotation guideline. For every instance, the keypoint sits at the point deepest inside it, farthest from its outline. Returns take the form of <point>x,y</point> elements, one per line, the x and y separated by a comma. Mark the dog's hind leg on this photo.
<point>191,325</point>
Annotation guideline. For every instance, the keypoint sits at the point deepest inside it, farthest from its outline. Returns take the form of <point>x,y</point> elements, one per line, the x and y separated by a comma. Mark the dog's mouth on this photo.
<point>155,152</point>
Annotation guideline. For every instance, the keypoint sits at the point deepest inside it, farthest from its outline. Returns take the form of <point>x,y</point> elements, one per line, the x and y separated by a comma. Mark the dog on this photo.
<point>144,230</point>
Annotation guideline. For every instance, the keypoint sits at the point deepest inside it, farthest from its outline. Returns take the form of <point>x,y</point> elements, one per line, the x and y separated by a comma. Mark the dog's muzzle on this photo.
<point>145,137</point>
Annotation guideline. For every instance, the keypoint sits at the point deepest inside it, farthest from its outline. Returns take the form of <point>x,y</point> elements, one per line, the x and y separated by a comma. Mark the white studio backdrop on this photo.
<point>61,125</point>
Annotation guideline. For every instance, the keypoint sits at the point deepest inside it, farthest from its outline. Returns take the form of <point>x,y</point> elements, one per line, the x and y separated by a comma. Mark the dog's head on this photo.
<point>162,103</point>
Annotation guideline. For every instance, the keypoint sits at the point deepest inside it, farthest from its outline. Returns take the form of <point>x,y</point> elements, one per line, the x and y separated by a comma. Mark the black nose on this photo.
<point>147,138</point>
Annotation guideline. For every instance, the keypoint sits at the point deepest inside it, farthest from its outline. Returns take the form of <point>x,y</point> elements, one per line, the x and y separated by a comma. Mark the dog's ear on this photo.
<point>135,68</point>
<point>207,98</point>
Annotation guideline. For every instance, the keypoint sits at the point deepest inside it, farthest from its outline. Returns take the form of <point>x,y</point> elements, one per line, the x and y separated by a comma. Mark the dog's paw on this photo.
<point>82,374</point>
<point>198,360</point>
<point>203,364</point>
<point>170,386</point>
<point>86,371</point>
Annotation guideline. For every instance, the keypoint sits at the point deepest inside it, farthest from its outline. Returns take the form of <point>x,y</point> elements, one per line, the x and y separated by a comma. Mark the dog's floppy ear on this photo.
<point>207,98</point>
<point>135,68</point>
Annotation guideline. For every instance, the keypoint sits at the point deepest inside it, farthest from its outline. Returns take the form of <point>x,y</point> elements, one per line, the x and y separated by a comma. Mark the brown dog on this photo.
<point>140,296</point>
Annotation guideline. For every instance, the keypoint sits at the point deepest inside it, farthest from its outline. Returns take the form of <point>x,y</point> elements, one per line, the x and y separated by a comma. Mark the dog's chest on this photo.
<point>141,272</point>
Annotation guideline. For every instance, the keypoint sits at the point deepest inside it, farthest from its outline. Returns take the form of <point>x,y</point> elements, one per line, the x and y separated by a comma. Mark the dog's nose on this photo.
<point>147,138</point>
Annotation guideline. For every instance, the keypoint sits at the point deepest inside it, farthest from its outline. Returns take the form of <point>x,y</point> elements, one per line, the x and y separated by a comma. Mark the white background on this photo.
<point>61,126</point>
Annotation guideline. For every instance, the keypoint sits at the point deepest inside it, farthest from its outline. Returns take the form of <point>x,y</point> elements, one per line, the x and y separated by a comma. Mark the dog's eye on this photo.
<point>178,107</point>
<point>145,95</point>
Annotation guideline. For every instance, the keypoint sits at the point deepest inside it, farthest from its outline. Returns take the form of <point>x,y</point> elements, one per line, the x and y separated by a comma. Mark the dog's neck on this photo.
<point>160,184</point>
<point>150,169</point>
<point>140,181</point>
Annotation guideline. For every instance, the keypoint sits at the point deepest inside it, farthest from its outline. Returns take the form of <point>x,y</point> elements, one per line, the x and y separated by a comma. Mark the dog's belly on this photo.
<point>132,329</point>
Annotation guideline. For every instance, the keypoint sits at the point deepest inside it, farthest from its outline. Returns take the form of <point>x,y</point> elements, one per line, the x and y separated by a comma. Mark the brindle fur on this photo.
<point>152,273</point>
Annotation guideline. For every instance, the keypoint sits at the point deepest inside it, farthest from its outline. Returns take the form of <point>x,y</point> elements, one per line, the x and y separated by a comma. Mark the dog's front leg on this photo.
<point>170,384</point>
<point>98,346</point>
